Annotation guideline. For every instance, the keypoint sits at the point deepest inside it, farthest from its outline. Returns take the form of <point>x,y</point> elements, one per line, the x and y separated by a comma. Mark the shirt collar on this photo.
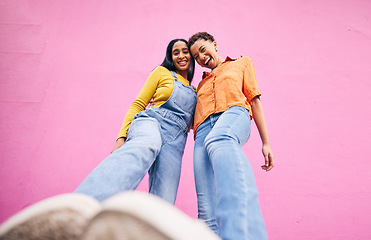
<point>227,59</point>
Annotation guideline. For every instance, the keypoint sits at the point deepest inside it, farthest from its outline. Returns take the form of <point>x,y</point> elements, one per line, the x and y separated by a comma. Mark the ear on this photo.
<point>215,46</point>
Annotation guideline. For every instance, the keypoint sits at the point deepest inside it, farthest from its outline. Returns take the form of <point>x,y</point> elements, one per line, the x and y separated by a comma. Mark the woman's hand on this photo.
<point>119,143</point>
<point>259,119</point>
<point>268,156</point>
<point>151,103</point>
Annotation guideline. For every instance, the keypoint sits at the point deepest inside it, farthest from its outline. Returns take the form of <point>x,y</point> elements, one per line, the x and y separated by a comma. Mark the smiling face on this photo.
<point>204,52</point>
<point>181,56</point>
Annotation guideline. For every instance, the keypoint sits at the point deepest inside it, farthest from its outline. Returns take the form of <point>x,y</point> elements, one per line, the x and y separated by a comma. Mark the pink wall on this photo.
<point>70,69</point>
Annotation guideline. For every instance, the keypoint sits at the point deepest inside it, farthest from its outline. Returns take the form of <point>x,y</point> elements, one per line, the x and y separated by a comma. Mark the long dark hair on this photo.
<point>168,61</point>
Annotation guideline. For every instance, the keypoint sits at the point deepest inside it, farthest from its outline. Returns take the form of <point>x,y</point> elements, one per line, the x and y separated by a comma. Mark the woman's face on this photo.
<point>181,56</point>
<point>204,52</point>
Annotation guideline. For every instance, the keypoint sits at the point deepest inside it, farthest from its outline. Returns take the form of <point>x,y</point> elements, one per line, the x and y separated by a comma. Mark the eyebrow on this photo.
<point>177,50</point>
<point>199,49</point>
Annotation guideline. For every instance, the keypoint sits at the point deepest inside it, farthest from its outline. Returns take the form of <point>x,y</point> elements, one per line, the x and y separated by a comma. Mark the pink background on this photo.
<point>70,69</point>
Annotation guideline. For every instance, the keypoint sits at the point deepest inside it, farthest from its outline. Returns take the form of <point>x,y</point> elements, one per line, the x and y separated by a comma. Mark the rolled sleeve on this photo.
<point>250,84</point>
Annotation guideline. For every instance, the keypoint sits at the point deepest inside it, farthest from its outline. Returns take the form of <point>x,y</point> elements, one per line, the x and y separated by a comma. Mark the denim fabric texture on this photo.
<point>225,184</point>
<point>155,144</point>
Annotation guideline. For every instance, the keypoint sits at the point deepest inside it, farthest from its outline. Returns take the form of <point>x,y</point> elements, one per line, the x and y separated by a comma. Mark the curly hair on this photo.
<point>204,35</point>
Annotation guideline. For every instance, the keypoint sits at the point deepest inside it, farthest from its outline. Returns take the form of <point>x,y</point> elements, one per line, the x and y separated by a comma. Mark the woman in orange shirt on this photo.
<point>227,100</point>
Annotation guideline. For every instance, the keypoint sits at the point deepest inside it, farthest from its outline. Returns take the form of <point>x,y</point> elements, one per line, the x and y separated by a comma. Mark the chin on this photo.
<point>183,68</point>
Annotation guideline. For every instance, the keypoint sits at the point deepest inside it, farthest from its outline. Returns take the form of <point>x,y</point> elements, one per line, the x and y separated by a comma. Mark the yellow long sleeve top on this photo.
<point>159,87</point>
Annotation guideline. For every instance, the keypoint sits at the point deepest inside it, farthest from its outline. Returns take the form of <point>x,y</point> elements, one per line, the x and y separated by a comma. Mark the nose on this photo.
<point>202,56</point>
<point>181,55</point>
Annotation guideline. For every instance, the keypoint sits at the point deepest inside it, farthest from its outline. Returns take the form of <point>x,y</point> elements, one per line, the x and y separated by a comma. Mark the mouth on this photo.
<point>206,63</point>
<point>182,63</point>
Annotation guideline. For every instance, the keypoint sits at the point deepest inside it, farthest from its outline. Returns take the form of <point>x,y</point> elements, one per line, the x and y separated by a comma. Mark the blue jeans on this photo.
<point>155,144</point>
<point>225,184</point>
<point>144,151</point>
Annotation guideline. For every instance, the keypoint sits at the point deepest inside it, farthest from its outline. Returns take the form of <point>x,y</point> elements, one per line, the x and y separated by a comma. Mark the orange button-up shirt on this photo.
<point>232,84</point>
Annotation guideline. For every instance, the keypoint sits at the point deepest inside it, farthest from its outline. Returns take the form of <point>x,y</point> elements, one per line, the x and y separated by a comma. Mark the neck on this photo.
<point>219,61</point>
<point>183,73</point>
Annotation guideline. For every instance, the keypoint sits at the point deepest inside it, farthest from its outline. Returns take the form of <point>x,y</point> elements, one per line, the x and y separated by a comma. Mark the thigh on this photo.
<point>164,175</point>
<point>234,124</point>
<point>125,168</point>
<point>146,129</point>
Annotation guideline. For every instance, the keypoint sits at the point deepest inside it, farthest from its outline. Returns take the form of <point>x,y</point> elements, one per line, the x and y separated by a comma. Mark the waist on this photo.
<point>162,114</point>
<point>202,114</point>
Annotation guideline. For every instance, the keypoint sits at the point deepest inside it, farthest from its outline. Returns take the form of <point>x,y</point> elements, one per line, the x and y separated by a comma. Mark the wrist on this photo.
<point>121,139</point>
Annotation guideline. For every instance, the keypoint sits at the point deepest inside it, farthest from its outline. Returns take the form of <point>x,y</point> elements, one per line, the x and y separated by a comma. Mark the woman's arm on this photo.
<point>139,104</point>
<point>258,114</point>
<point>119,143</point>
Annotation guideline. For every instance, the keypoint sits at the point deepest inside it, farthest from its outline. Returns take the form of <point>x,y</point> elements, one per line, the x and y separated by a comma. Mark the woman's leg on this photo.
<point>204,176</point>
<point>125,168</point>
<point>165,172</point>
<point>238,212</point>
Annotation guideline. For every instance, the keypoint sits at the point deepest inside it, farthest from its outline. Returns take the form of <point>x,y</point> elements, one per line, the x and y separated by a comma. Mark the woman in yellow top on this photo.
<point>151,140</point>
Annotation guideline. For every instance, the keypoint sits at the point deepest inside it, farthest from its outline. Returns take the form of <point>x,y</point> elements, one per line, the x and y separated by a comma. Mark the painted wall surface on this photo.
<point>70,69</point>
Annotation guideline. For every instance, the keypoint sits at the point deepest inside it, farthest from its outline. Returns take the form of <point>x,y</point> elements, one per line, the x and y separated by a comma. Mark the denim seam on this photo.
<point>173,138</point>
<point>153,170</point>
<point>242,177</point>
<point>174,118</point>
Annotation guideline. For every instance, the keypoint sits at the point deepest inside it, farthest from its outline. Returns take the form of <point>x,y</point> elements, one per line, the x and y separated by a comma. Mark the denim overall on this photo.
<point>155,144</point>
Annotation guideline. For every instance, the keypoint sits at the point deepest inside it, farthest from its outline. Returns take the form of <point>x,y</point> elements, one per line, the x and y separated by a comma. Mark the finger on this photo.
<point>266,158</point>
<point>264,167</point>
<point>270,168</point>
<point>271,164</point>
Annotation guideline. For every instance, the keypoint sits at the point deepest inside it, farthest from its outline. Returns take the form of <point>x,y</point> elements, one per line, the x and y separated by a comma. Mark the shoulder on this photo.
<point>160,72</point>
<point>245,59</point>
<point>242,61</point>
<point>246,63</point>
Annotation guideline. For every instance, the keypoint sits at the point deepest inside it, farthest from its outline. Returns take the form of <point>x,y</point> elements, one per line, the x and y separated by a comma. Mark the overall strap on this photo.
<point>174,74</point>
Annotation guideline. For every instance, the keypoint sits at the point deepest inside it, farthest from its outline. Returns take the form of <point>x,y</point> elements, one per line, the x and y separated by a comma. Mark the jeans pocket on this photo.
<point>171,132</point>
